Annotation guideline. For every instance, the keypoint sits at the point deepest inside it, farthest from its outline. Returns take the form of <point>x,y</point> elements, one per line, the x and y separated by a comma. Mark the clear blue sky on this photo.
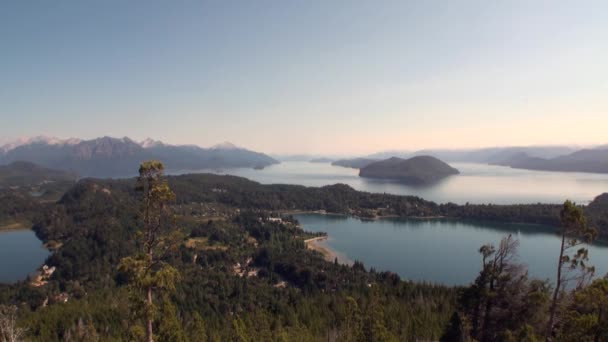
<point>307,76</point>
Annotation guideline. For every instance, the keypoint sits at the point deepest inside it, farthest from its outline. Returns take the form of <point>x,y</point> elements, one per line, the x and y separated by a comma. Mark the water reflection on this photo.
<point>442,250</point>
<point>477,183</point>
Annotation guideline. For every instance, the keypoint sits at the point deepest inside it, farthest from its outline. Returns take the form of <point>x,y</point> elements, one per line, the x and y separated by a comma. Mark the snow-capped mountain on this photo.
<point>41,139</point>
<point>149,142</point>
<point>226,145</point>
<point>117,157</point>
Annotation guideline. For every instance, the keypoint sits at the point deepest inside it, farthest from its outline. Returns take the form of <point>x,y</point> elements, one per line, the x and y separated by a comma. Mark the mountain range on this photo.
<point>545,158</point>
<point>481,155</point>
<point>588,160</point>
<point>119,157</point>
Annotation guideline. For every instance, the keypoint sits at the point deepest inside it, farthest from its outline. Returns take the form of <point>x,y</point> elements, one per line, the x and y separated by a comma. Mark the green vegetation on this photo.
<point>503,304</point>
<point>244,275</point>
<point>148,273</point>
<point>18,174</point>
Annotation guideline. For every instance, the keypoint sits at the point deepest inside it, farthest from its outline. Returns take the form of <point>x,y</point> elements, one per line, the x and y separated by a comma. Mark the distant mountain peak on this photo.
<point>39,139</point>
<point>226,145</point>
<point>119,157</point>
<point>149,142</point>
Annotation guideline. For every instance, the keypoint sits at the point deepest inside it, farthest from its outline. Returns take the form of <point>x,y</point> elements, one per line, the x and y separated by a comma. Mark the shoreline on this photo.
<point>378,217</point>
<point>317,244</point>
<point>14,227</point>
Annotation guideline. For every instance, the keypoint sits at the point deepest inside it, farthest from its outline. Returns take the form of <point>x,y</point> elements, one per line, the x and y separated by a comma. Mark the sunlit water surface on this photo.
<point>476,183</point>
<point>440,251</point>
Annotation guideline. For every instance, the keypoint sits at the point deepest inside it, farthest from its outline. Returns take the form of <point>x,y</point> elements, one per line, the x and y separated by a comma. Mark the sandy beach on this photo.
<point>318,244</point>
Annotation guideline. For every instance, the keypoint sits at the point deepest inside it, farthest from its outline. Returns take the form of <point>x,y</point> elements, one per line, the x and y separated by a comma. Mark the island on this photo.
<point>416,170</point>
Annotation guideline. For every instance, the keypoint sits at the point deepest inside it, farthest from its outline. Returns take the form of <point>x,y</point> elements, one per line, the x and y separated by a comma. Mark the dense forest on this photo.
<point>229,270</point>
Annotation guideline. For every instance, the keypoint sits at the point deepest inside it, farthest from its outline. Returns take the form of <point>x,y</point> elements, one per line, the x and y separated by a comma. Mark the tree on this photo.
<point>586,318</point>
<point>572,261</point>
<point>351,325</point>
<point>456,330</point>
<point>170,328</point>
<point>374,328</point>
<point>9,332</point>
<point>502,300</point>
<point>239,330</point>
<point>196,328</point>
<point>148,272</point>
<point>81,332</point>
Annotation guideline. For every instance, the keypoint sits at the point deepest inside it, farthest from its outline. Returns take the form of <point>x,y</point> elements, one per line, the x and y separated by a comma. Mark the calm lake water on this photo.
<point>439,251</point>
<point>477,183</point>
<point>21,253</point>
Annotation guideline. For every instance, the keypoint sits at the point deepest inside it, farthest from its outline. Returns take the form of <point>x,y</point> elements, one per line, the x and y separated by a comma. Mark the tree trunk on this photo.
<point>149,334</point>
<point>558,284</point>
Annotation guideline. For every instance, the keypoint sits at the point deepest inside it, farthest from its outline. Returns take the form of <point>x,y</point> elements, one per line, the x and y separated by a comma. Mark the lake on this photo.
<point>477,183</point>
<point>21,253</point>
<point>439,251</point>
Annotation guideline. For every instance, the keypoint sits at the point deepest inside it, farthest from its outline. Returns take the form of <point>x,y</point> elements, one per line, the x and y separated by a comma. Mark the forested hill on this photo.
<point>244,275</point>
<point>20,173</point>
<point>242,193</point>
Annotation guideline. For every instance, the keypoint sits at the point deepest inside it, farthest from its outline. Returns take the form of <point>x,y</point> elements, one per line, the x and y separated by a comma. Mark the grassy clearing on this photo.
<point>202,243</point>
<point>14,225</point>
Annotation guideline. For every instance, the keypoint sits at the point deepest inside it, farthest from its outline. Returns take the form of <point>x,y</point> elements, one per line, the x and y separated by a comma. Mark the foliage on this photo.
<point>501,301</point>
<point>292,292</point>
<point>148,273</point>
<point>572,263</point>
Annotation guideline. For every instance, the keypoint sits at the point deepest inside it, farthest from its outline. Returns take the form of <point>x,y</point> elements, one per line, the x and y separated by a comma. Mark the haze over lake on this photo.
<point>477,183</point>
<point>440,251</point>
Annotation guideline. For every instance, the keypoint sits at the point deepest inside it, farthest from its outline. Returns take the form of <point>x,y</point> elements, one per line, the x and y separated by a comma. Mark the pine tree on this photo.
<point>351,325</point>
<point>148,273</point>
<point>196,328</point>
<point>170,328</point>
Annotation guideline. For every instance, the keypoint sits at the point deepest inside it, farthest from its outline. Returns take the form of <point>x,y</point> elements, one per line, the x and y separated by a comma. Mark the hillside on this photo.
<point>20,173</point>
<point>416,170</point>
<point>225,228</point>
<point>481,155</point>
<point>112,157</point>
<point>587,160</point>
<point>597,214</point>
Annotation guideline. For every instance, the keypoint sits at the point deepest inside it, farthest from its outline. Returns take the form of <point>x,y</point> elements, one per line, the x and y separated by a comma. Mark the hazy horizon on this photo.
<point>326,78</point>
<point>24,139</point>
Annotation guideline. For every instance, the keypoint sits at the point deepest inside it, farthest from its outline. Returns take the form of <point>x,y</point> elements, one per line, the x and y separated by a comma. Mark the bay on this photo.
<point>439,250</point>
<point>21,253</point>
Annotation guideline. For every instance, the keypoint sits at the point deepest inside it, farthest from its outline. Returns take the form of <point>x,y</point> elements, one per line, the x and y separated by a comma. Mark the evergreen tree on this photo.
<point>196,328</point>
<point>148,272</point>
<point>170,328</point>
<point>351,325</point>
<point>586,318</point>
<point>373,326</point>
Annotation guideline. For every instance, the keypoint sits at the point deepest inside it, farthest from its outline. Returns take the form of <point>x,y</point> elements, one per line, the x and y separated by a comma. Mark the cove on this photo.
<point>440,250</point>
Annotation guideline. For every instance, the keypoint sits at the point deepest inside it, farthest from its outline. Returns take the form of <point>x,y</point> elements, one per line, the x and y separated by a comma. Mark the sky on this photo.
<point>307,76</point>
